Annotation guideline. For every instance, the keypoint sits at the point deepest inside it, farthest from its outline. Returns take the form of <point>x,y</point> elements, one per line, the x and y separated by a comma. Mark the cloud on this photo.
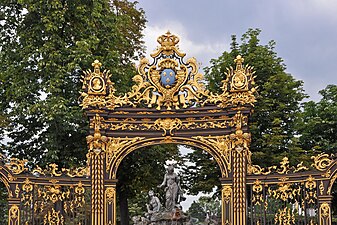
<point>203,52</point>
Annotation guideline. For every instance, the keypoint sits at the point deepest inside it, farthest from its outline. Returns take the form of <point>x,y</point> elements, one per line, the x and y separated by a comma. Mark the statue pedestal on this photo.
<point>175,217</point>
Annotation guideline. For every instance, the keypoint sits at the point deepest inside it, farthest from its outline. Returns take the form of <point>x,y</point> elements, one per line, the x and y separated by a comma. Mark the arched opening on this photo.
<point>144,169</point>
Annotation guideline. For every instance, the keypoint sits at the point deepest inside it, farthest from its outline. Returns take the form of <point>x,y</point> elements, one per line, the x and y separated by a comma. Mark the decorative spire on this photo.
<point>239,60</point>
<point>97,65</point>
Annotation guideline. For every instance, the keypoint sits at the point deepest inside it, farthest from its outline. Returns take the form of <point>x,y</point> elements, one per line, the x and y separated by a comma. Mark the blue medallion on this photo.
<point>167,78</point>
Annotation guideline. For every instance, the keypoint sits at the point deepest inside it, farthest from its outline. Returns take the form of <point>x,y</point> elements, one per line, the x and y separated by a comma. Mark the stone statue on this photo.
<point>153,207</point>
<point>174,194</point>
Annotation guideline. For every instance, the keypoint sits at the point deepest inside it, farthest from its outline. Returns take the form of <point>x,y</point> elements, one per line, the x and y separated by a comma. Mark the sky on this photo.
<point>305,32</point>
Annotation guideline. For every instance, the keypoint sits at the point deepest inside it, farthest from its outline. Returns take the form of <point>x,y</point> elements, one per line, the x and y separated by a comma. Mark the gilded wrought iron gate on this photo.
<point>292,195</point>
<point>169,104</point>
<point>49,196</point>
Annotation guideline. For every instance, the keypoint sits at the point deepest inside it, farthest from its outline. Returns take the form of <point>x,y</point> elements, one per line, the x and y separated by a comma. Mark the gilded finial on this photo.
<point>239,60</point>
<point>97,65</point>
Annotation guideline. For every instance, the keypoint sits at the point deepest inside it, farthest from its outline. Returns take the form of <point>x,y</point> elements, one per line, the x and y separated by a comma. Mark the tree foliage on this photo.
<point>205,208</point>
<point>273,123</point>
<point>318,122</point>
<point>45,46</point>
<point>278,103</point>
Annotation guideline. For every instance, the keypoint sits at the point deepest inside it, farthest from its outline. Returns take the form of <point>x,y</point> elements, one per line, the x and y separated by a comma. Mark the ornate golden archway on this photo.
<point>169,104</point>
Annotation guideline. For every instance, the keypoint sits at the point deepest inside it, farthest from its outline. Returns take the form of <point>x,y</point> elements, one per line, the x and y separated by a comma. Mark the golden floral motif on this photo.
<point>53,193</point>
<point>285,191</point>
<point>27,189</point>
<point>79,195</point>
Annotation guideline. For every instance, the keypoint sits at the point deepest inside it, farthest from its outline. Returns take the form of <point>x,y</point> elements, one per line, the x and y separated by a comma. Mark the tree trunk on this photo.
<point>124,209</point>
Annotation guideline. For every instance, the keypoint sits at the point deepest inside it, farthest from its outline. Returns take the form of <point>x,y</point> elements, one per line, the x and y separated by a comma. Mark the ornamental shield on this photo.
<point>168,78</point>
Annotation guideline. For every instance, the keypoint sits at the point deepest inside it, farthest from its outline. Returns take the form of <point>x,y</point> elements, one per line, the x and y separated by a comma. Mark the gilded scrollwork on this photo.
<point>17,166</point>
<point>53,171</point>
<point>324,209</point>
<point>14,215</point>
<point>322,161</point>
<point>284,168</point>
<point>53,218</point>
<point>284,216</point>
<point>257,198</point>
<point>169,124</point>
<point>285,191</point>
<point>76,172</point>
<point>310,194</point>
<point>223,146</point>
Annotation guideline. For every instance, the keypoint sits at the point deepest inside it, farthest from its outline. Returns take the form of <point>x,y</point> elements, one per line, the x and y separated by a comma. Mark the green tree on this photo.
<point>278,104</point>
<point>45,45</point>
<point>318,122</point>
<point>202,175</point>
<point>205,206</point>
<point>274,119</point>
